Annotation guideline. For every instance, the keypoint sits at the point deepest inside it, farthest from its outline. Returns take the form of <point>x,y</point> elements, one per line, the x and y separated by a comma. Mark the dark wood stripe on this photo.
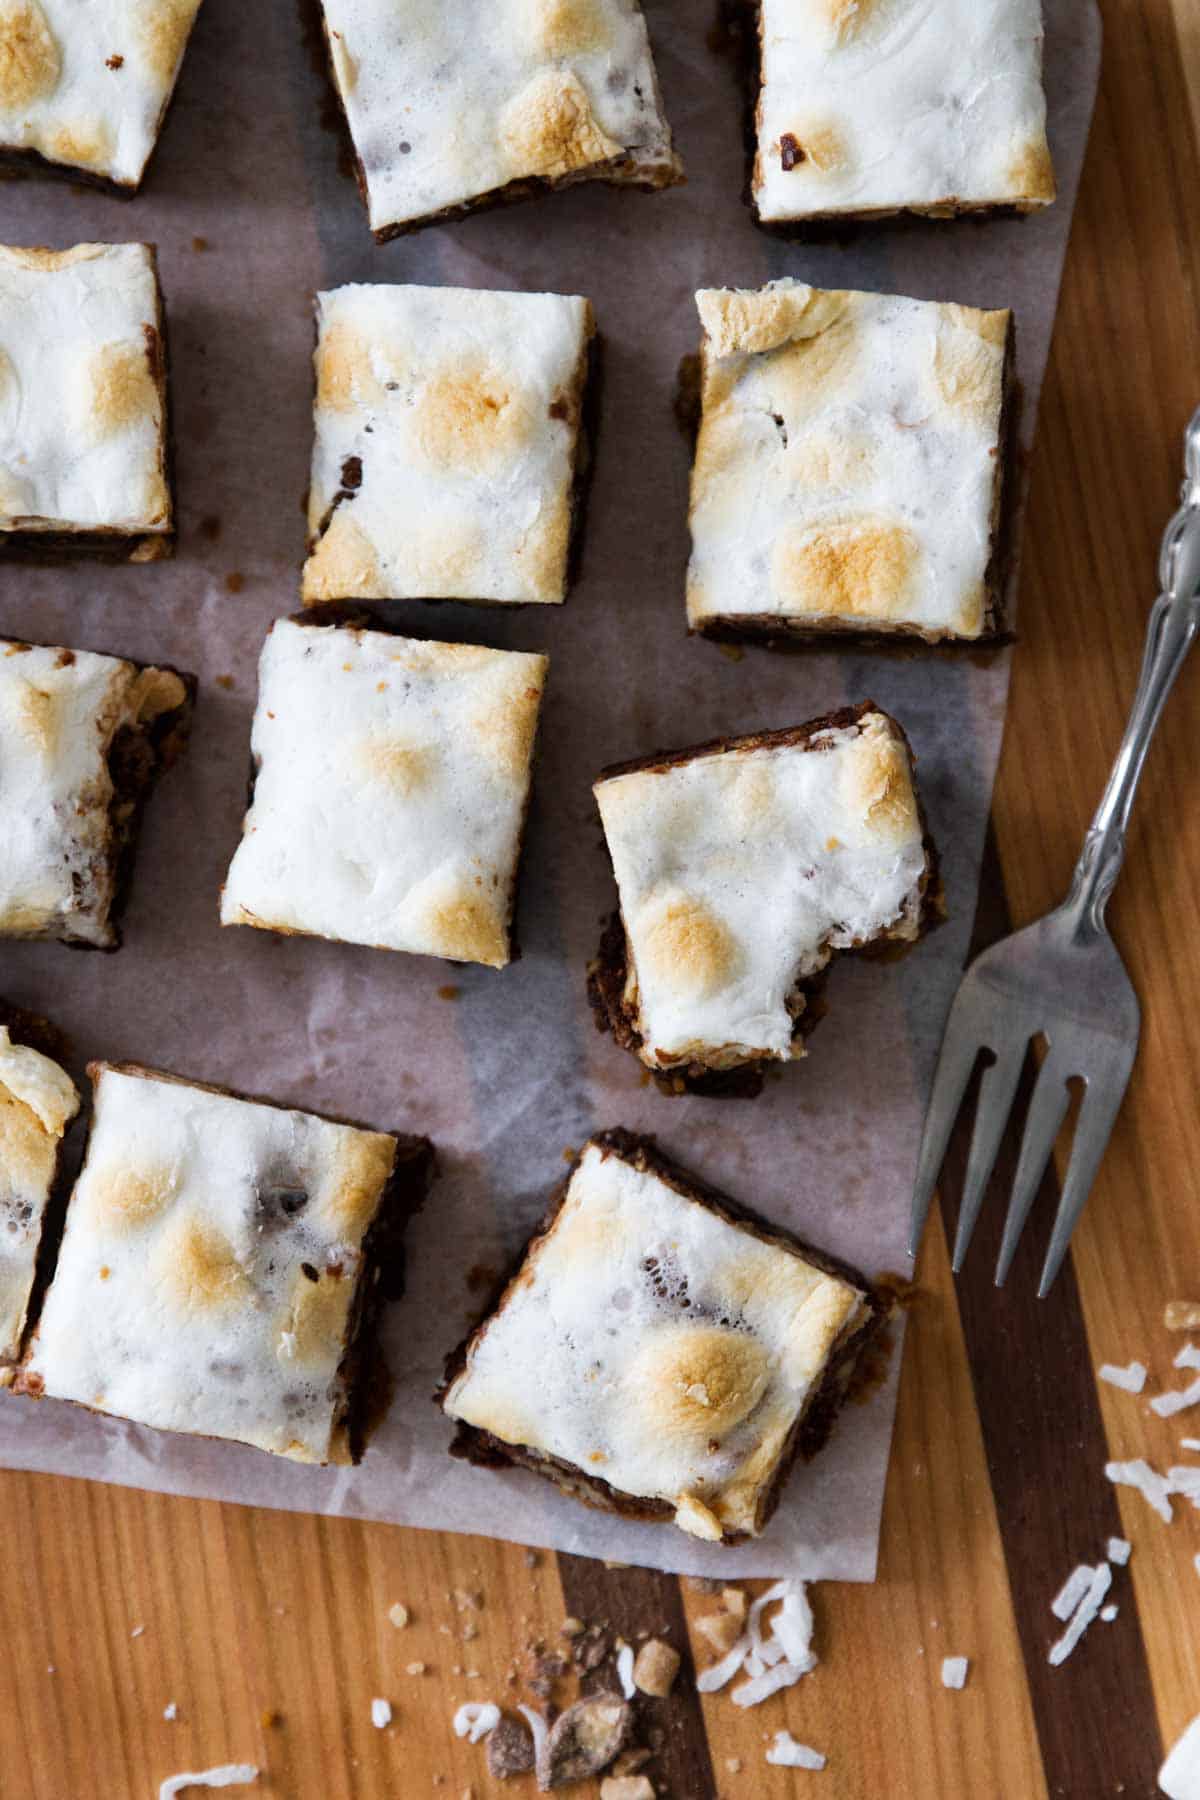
<point>632,1602</point>
<point>1046,1449</point>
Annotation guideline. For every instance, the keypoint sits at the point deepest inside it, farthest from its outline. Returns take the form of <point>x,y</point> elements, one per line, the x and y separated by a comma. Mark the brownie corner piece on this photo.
<point>223,1265</point>
<point>38,1101</point>
<point>743,868</point>
<point>84,90</point>
<point>85,470</point>
<point>491,104</point>
<point>661,1352</point>
<point>392,785</point>
<point>850,475</point>
<point>863,111</point>
<point>449,444</point>
<point>84,738</point>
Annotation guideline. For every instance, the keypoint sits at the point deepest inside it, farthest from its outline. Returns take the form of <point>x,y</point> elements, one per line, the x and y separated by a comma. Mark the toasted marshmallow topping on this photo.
<point>447,421</point>
<point>741,870</point>
<point>650,1342</point>
<point>393,776</point>
<point>37,1102</point>
<point>882,105</point>
<point>210,1263</point>
<point>87,86</point>
<point>849,466</point>
<point>82,410</point>
<point>60,711</point>
<point>448,104</point>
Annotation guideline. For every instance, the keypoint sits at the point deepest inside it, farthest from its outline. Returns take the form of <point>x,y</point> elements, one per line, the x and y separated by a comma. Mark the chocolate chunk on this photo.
<point>584,1741</point>
<point>509,1749</point>
<point>791,151</point>
<point>352,473</point>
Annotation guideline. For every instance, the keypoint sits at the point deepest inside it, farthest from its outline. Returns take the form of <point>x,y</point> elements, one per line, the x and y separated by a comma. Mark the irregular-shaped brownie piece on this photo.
<point>84,89</point>
<point>38,1100</point>
<point>880,106</point>
<point>83,739</point>
<point>223,1266</point>
<point>83,404</point>
<point>391,787</point>
<point>449,453</point>
<point>660,1352</point>
<point>743,866</point>
<point>454,107</point>
<point>850,466</point>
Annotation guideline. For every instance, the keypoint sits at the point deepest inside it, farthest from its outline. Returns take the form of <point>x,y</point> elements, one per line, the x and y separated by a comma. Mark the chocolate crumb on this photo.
<point>791,151</point>
<point>210,528</point>
<point>114,62</point>
<point>235,582</point>
<point>224,681</point>
<point>449,992</point>
<point>199,243</point>
<point>509,1749</point>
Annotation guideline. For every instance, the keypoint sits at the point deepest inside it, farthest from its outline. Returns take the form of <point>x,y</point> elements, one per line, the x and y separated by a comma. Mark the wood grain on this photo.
<point>996,1484</point>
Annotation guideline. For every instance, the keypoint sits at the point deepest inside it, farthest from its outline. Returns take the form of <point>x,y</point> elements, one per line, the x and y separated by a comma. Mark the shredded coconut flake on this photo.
<point>1085,1612</point>
<point>786,1753</point>
<point>1072,1591</point>
<point>710,1681</point>
<point>625,1671</point>
<point>1196,1560</point>
<point>170,1711</point>
<point>398,1615</point>
<point>1186,1481</point>
<point>1189,1357</point>
<point>1179,1777</point>
<point>793,1626</point>
<point>1147,1481</point>
<point>1119,1550</point>
<point>1177,1401</point>
<point>1109,1613</point>
<point>381,1714</point>
<point>475,1718</point>
<point>537,1726</point>
<point>228,1775</point>
<point>1192,1444</point>
<point>1132,1378</point>
<point>954,1671</point>
<point>754,1692</point>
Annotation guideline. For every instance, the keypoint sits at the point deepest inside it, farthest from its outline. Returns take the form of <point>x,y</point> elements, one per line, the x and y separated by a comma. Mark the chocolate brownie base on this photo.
<point>38,1033</point>
<point>137,759</point>
<point>608,971</point>
<point>814,1425</point>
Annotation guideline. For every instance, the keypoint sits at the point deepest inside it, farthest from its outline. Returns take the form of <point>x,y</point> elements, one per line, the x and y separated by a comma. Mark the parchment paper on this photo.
<point>252,214</point>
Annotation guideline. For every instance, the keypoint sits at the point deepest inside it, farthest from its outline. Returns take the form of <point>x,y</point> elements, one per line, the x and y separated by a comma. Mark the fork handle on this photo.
<point>1170,633</point>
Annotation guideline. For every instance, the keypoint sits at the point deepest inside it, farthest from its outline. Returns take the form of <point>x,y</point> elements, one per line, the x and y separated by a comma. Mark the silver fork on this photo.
<point>1062,978</point>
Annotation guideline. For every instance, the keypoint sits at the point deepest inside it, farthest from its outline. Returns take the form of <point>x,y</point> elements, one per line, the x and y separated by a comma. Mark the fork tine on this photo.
<point>996,1091</point>
<point>1101,1104</point>
<point>959,1052</point>
<point>1047,1110</point>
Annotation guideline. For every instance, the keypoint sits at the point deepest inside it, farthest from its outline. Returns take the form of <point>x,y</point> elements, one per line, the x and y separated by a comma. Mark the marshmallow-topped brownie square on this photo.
<point>850,465</point>
<point>37,1103</point>
<point>742,867</point>
<point>454,107</point>
<point>83,404</point>
<point>83,739</point>
<point>448,443</point>
<point>882,106</point>
<point>660,1352</point>
<point>84,89</point>
<point>391,784</point>
<point>222,1266</point>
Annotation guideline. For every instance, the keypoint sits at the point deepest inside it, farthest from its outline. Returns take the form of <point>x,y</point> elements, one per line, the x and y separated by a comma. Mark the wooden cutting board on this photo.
<point>270,1631</point>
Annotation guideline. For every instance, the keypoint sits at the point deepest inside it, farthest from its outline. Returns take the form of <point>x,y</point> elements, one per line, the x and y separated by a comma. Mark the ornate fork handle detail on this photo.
<point>1170,633</point>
